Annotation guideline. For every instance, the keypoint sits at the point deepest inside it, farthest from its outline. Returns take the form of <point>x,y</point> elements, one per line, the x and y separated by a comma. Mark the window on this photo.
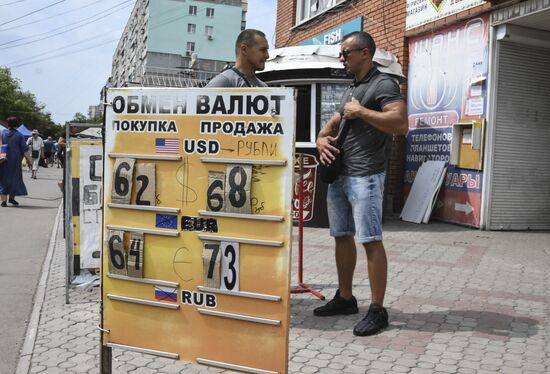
<point>329,100</point>
<point>209,30</point>
<point>310,8</point>
<point>193,10</point>
<point>209,12</point>
<point>190,47</point>
<point>303,116</point>
<point>191,28</point>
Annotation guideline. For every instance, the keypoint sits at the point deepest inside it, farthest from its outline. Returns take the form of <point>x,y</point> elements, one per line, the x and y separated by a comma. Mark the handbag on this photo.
<point>329,173</point>
<point>42,162</point>
<point>34,154</point>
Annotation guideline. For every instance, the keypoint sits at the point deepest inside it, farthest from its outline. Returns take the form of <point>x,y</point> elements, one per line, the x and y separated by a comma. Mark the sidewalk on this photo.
<point>460,301</point>
<point>24,234</point>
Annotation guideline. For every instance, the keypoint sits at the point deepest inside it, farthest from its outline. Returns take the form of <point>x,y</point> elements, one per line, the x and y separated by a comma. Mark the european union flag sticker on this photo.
<point>167,221</point>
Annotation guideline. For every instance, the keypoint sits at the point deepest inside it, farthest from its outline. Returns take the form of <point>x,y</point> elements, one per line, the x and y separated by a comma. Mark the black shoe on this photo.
<point>375,321</point>
<point>338,305</point>
<point>4,204</point>
<point>13,202</point>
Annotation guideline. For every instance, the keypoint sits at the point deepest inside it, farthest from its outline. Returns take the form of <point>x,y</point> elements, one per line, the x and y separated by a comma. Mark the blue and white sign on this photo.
<point>335,35</point>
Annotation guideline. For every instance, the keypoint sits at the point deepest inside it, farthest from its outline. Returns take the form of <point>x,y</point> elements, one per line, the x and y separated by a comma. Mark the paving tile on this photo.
<point>460,301</point>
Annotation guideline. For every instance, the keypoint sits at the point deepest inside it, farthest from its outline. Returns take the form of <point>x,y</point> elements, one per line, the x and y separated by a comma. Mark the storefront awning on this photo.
<point>325,56</point>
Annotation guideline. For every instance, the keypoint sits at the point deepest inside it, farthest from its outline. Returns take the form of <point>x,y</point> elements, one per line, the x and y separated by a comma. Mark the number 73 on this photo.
<point>221,265</point>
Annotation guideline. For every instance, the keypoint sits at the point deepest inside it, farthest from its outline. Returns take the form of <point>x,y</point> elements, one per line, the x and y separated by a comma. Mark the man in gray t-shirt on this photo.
<point>373,109</point>
<point>251,49</point>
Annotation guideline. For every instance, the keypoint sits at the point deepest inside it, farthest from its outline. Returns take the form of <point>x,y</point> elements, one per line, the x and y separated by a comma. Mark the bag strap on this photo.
<point>343,129</point>
<point>242,76</point>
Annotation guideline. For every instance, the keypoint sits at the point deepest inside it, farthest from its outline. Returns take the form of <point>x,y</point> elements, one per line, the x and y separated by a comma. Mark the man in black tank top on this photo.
<point>354,200</point>
<point>251,49</point>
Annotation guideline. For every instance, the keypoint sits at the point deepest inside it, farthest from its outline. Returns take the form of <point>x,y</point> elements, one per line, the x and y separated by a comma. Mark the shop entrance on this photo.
<point>518,164</point>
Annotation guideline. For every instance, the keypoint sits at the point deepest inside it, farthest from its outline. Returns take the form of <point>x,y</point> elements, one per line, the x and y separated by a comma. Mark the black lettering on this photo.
<point>213,147</point>
<point>264,103</point>
<point>186,297</point>
<point>164,104</point>
<point>210,301</point>
<point>201,146</point>
<point>277,99</point>
<point>189,146</point>
<point>148,106</point>
<point>133,106</point>
<point>186,224</point>
<point>198,298</point>
<point>202,104</point>
<point>119,104</point>
<point>219,106</point>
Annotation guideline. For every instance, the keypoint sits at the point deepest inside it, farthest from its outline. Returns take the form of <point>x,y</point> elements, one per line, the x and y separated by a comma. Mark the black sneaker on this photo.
<point>4,204</point>
<point>338,305</point>
<point>13,202</point>
<point>375,321</point>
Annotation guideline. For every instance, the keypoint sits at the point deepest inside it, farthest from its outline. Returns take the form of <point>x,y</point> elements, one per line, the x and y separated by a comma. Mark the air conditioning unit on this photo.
<point>188,53</point>
<point>210,37</point>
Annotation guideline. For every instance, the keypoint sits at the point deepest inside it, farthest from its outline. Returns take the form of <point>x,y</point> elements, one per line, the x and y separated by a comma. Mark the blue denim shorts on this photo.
<point>355,205</point>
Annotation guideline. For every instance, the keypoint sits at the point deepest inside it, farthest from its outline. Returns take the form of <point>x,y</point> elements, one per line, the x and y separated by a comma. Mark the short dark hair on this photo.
<point>247,37</point>
<point>363,40</point>
<point>12,122</point>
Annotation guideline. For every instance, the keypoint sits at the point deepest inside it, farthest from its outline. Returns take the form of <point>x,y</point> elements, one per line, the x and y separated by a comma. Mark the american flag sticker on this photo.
<point>163,145</point>
<point>166,294</point>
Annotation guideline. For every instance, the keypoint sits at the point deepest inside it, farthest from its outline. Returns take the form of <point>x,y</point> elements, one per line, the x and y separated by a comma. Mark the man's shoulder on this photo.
<point>227,78</point>
<point>385,77</point>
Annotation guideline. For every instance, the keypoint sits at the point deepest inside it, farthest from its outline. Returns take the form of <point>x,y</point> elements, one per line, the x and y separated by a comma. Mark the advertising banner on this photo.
<point>198,189</point>
<point>335,35</point>
<point>420,12</point>
<point>86,168</point>
<point>308,168</point>
<point>447,84</point>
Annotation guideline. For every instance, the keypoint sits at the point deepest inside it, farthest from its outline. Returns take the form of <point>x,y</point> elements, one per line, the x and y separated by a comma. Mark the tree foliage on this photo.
<point>23,105</point>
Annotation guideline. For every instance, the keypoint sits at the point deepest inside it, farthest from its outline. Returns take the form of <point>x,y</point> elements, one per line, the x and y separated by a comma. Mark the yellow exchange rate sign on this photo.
<point>86,173</point>
<point>197,225</point>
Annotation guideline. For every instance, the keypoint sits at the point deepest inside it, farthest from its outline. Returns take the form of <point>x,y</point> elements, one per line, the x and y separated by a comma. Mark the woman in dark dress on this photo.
<point>11,174</point>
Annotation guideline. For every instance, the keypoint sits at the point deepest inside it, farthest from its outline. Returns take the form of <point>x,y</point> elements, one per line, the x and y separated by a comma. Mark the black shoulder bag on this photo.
<point>329,173</point>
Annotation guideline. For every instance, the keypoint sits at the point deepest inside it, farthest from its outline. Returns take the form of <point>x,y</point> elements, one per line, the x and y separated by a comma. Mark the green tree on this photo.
<point>79,118</point>
<point>23,104</point>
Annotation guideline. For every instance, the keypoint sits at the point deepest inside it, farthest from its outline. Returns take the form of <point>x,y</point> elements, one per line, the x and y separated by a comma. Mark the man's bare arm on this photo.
<point>326,136</point>
<point>392,119</point>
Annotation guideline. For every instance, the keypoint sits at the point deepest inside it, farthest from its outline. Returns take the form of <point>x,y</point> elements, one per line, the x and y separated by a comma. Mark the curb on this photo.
<point>26,351</point>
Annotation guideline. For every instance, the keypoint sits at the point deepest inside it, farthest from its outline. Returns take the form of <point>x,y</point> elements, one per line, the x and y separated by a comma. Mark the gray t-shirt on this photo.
<point>365,148</point>
<point>230,78</point>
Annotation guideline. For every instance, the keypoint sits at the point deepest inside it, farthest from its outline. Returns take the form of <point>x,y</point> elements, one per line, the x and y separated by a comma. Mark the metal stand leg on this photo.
<point>106,359</point>
<point>302,287</point>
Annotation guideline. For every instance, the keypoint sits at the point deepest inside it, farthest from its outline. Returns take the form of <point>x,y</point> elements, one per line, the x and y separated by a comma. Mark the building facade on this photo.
<point>177,42</point>
<point>95,111</point>
<point>477,87</point>
<point>477,91</point>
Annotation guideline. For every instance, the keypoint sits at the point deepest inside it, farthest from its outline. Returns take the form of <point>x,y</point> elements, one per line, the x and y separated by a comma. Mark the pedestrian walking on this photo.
<point>11,173</point>
<point>61,151</point>
<point>373,109</point>
<point>49,150</point>
<point>36,146</point>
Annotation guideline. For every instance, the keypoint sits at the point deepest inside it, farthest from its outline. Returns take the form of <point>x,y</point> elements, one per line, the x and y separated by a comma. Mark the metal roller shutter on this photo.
<point>520,198</point>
